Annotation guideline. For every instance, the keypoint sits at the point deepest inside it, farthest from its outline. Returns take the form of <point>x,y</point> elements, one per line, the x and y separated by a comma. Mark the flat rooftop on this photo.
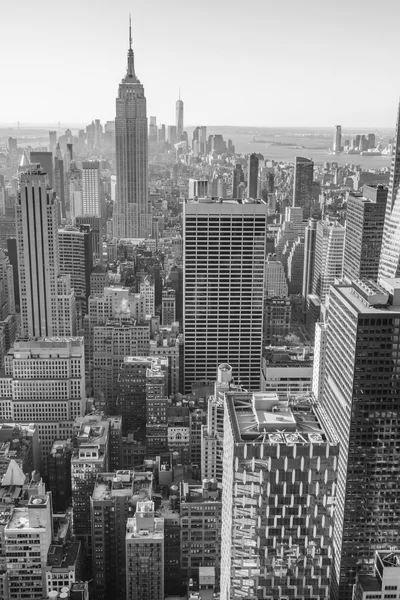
<point>19,519</point>
<point>369,583</point>
<point>62,557</point>
<point>262,417</point>
<point>123,483</point>
<point>146,534</point>
<point>368,297</point>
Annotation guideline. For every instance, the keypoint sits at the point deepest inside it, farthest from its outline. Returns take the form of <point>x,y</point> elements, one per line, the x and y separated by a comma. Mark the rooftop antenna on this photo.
<point>130,32</point>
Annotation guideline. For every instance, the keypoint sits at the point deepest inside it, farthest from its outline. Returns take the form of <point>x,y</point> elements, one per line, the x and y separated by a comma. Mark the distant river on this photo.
<point>284,146</point>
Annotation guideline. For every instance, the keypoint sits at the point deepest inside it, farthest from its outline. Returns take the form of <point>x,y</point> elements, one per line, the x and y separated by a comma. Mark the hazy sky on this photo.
<point>260,62</point>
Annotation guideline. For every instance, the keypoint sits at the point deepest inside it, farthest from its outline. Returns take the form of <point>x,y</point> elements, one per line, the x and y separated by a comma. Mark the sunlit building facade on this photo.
<point>278,497</point>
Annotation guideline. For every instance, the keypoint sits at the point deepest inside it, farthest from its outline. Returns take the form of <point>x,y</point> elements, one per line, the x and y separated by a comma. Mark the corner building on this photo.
<point>278,494</point>
<point>224,258</point>
<point>361,390</point>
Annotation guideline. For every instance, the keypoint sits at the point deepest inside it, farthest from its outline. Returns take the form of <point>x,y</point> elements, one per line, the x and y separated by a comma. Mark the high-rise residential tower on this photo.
<point>224,267</point>
<point>91,188</point>
<point>252,176</point>
<point>179,119</point>
<point>389,265</point>
<point>337,139</point>
<point>132,213</point>
<point>365,217</point>
<point>302,187</point>
<point>47,299</point>
<point>360,394</point>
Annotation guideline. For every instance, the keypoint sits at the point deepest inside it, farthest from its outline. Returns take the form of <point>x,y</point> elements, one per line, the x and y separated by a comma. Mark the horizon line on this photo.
<point>19,124</point>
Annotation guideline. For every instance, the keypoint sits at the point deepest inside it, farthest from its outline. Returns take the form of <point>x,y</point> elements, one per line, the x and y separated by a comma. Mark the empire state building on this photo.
<point>132,212</point>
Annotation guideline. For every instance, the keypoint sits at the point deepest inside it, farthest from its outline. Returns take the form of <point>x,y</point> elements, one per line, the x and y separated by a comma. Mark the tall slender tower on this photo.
<point>310,238</point>
<point>179,118</point>
<point>303,181</point>
<point>337,139</point>
<point>91,188</point>
<point>132,214</point>
<point>252,176</point>
<point>47,300</point>
<point>389,265</point>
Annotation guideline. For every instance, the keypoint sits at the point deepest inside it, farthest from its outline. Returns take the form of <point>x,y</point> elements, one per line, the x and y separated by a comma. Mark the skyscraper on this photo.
<point>275,279</point>
<point>132,381</point>
<point>47,300</point>
<point>277,492</point>
<point>179,119</point>
<point>171,134</point>
<point>76,260</point>
<point>360,395</point>
<point>365,219</point>
<point>252,176</point>
<point>132,213</point>
<point>91,189</point>
<point>46,162</point>
<point>237,178</point>
<point>337,139</point>
<point>302,187</point>
<point>224,258</point>
<point>389,265</point>
<point>310,237</point>
<point>153,129</point>
<point>328,263</point>
<point>52,140</point>
<point>59,183</point>
<point>6,276</point>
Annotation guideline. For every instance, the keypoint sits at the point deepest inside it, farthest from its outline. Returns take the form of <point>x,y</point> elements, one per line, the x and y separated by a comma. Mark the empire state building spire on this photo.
<point>130,73</point>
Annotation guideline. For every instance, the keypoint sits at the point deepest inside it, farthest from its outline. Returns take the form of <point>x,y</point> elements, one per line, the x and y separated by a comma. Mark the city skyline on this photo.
<point>329,64</point>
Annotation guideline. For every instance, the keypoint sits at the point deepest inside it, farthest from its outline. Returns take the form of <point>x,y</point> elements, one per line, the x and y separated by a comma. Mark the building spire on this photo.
<point>131,65</point>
